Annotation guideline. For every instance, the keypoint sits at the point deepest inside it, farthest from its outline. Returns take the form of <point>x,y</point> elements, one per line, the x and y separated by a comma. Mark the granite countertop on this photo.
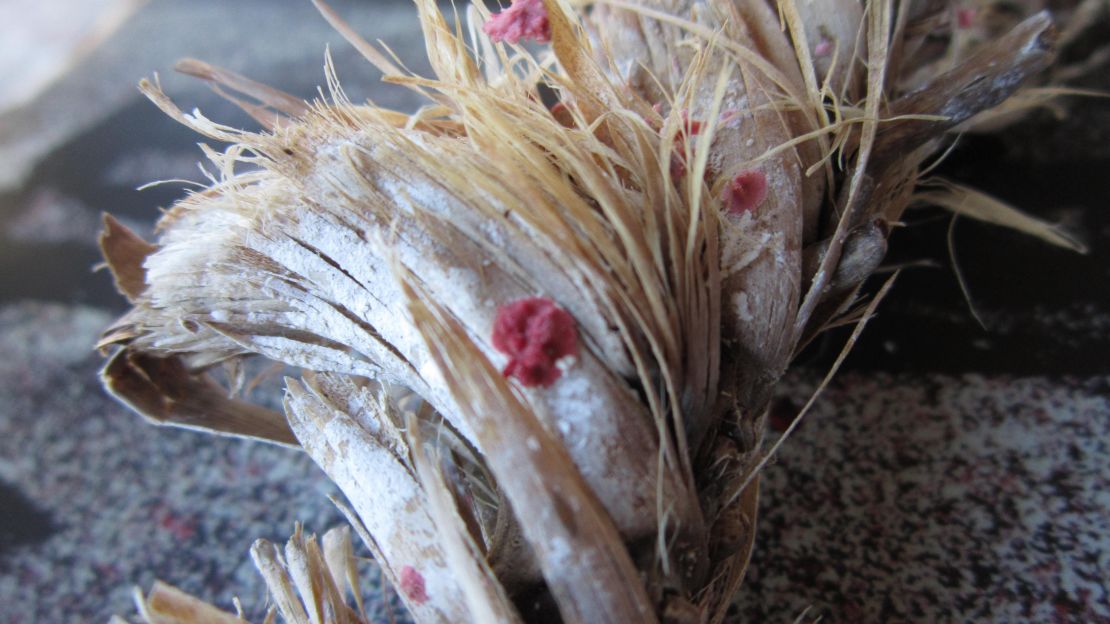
<point>951,472</point>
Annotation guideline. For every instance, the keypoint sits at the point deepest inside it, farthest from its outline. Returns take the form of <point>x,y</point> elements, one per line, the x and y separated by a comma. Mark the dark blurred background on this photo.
<point>955,470</point>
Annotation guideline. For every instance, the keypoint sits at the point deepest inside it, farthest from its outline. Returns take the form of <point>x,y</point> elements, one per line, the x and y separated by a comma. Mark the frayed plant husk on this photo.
<point>711,191</point>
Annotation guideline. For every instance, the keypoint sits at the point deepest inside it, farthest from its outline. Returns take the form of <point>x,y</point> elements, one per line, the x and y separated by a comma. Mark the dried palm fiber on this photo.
<point>535,345</point>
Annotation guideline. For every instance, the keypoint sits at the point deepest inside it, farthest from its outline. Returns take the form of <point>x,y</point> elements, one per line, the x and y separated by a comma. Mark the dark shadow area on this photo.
<point>22,523</point>
<point>1044,308</point>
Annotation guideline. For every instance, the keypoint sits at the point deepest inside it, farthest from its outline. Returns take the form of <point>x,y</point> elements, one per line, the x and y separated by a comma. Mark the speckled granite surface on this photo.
<point>93,501</point>
<point>900,498</point>
<point>951,473</point>
<point>935,498</point>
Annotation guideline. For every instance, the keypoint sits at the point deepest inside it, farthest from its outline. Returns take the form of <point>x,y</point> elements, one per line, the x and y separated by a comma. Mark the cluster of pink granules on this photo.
<point>535,334</point>
<point>525,19</point>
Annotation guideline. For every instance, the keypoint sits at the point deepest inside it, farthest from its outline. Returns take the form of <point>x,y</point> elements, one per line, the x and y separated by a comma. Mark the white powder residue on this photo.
<point>559,553</point>
<point>391,506</point>
<point>430,372</point>
<point>743,307</point>
<point>565,363</point>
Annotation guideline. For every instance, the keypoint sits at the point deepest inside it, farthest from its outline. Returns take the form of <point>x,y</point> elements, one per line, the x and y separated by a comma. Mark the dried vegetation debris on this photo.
<point>714,185</point>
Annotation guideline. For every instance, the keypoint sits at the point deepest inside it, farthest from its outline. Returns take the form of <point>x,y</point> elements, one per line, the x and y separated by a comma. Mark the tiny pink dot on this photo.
<point>966,17</point>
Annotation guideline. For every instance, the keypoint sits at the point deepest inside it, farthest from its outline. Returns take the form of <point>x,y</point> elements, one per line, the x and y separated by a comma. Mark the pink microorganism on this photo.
<point>745,192</point>
<point>535,334</point>
<point>823,48</point>
<point>524,19</point>
<point>412,585</point>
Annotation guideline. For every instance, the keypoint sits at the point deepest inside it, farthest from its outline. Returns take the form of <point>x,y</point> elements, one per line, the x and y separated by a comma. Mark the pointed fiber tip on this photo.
<point>124,252</point>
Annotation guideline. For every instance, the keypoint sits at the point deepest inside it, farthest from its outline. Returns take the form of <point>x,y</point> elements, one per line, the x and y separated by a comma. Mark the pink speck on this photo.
<point>106,571</point>
<point>655,122</point>
<point>535,334</point>
<point>729,115</point>
<point>823,48</point>
<point>745,192</point>
<point>561,113</point>
<point>412,585</point>
<point>678,165</point>
<point>691,126</point>
<point>525,19</point>
<point>780,416</point>
<point>181,527</point>
<point>966,17</point>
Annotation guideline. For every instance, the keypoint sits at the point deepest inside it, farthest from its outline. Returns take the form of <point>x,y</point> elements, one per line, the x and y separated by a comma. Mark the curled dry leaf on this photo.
<point>534,347</point>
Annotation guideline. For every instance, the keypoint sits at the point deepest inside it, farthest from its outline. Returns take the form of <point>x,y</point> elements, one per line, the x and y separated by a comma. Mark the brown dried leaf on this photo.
<point>124,251</point>
<point>165,392</point>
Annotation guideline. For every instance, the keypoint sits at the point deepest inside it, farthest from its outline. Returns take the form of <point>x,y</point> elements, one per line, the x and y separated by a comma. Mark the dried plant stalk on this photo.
<point>536,345</point>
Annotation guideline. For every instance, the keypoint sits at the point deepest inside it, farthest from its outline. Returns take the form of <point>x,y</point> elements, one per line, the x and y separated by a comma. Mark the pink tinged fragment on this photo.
<point>745,192</point>
<point>525,19</point>
<point>966,17</point>
<point>181,527</point>
<point>678,165</point>
<point>412,585</point>
<point>655,122</point>
<point>823,48</point>
<point>729,115</point>
<point>535,334</point>
<point>690,126</point>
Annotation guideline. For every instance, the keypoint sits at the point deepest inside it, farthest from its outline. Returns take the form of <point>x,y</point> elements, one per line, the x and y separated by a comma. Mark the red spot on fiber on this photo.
<point>562,114</point>
<point>966,17</point>
<point>525,19</point>
<point>678,165</point>
<point>535,334</point>
<point>690,126</point>
<point>745,192</point>
<point>412,585</point>
<point>655,121</point>
<point>728,115</point>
